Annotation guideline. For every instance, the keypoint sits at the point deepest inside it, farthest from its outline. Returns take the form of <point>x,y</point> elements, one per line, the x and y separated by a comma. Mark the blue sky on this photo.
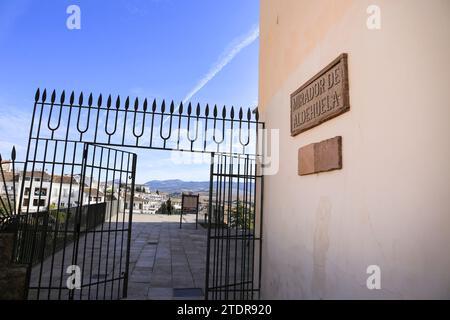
<point>145,48</point>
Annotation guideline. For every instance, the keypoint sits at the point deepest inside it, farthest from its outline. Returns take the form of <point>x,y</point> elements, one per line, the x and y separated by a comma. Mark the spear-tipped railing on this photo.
<point>119,124</point>
<point>9,183</point>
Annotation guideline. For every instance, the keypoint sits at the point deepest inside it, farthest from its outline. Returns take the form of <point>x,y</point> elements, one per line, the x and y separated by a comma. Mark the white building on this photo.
<point>92,195</point>
<point>146,203</point>
<point>42,192</point>
<point>66,189</point>
<point>36,192</point>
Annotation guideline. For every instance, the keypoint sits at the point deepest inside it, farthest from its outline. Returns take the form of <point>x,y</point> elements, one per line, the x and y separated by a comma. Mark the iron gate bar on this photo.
<point>5,214</point>
<point>261,202</point>
<point>130,220</point>
<point>30,193</point>
<point>94,231</point>
<point>221,221</point>
<point>210,212</point>
<point>85,159</point>
<point>8,212</point>
<point>218,265</point>
<point>117,221</point>
<point>102,227</point>
<point>109,222</point>
<point>243,247</point>
<point>78,216</point>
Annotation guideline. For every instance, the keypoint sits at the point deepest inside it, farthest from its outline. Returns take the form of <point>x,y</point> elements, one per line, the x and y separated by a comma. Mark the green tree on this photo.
<point>242,216</point>
<point>169,206</point>
<point>6,209</point>
<point>166,208</point>
<point>162,209</point>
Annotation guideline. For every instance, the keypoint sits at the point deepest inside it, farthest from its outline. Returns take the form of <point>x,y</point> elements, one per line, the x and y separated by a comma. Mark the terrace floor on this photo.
<point>167,262</point>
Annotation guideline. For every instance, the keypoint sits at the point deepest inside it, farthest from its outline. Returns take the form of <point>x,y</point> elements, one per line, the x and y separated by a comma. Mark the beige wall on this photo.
<point>390,204</point>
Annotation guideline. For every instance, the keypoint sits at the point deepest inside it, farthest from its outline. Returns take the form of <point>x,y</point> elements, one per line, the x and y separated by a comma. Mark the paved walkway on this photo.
<point>166,262</point>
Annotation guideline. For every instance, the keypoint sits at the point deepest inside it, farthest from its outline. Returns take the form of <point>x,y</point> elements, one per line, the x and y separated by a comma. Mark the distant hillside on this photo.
<point>179,186</point>
<point>176,185</point>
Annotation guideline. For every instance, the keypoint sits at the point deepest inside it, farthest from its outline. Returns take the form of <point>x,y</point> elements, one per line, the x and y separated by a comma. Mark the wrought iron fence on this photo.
<point>32,233</point>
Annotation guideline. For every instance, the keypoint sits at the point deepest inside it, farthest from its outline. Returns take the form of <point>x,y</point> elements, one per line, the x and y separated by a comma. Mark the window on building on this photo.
<point>37,179</point>
<point>26,201</point>
<point>27,191</point>
<point>39,202</point>
<point>40,192</point>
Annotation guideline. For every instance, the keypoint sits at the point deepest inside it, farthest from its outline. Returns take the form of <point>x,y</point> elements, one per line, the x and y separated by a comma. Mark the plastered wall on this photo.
<point>390,204</point>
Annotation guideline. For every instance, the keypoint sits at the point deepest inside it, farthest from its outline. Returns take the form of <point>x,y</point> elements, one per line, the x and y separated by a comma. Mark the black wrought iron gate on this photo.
<point>234,233</point>
<point>77,211</point>
<point>76,198</point>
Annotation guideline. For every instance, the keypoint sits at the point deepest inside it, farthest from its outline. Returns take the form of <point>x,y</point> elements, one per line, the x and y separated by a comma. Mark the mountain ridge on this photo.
<point>177,185</point>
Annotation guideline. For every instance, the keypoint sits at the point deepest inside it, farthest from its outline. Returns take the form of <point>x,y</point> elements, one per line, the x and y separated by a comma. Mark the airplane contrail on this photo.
<point>252,35</point>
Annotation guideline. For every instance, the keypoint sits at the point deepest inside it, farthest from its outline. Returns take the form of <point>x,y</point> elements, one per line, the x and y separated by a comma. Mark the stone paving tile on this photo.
<point>155,293</point>
<point>162,257</point>
<point>137,290</point>
<point>165,257</point>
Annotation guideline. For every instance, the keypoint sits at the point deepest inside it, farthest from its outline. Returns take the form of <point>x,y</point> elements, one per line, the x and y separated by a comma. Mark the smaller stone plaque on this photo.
<point>320,157</point>
<point>323,97</point>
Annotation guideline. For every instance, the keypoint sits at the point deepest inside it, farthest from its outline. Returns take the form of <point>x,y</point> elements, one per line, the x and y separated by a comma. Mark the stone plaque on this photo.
<point>323,97</point>
<point>320,157</point>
